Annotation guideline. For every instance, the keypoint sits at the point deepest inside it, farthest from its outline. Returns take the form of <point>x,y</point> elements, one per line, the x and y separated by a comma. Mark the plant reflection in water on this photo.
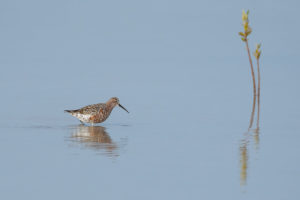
<point>244,144</point>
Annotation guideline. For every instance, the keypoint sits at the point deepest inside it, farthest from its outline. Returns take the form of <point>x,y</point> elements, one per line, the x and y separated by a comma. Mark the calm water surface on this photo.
<point>182,72</point>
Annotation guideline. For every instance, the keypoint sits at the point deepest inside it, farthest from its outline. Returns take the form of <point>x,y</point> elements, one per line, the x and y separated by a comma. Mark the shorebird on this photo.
<point>96,113</point>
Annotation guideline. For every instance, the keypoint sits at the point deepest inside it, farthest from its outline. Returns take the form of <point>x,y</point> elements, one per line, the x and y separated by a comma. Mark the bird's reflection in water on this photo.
<point>96,138</point>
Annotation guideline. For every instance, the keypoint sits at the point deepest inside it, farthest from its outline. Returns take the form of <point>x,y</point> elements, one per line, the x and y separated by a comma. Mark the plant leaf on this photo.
<point>242,34</point>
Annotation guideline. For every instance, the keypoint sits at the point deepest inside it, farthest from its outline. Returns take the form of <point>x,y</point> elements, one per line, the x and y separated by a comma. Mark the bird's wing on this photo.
<point>91,109</point>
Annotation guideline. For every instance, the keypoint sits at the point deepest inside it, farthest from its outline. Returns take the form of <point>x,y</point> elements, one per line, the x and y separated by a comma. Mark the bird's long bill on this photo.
<point>123,108</point>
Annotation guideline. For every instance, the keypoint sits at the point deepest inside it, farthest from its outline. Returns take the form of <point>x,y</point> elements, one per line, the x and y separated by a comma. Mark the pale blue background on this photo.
<point>182,71</point>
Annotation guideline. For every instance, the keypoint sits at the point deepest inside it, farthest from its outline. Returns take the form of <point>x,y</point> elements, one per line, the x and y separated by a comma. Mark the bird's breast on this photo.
<point>101,116</point>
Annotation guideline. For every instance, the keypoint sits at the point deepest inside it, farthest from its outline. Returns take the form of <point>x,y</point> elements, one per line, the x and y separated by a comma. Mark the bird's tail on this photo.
<point>70,111</point>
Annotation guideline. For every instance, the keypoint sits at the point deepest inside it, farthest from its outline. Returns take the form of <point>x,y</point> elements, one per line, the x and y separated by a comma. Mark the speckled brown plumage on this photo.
<point>96,113</point>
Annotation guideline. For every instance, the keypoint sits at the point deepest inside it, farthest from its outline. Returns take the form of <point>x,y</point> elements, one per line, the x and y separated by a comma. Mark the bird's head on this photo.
<point>114,101</point>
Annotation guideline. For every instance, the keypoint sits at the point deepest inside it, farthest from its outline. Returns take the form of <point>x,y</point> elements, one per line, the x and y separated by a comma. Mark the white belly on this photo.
<point>81,117</point>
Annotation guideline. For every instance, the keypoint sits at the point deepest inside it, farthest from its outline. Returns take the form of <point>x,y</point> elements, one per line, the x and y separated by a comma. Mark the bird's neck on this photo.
<point>109,108</point>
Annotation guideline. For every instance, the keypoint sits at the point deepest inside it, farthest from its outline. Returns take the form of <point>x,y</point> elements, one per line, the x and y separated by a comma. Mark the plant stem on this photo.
<point>252,69</point>
<point>254,85</point>
<point>252,113</point>
<point>258,94</point>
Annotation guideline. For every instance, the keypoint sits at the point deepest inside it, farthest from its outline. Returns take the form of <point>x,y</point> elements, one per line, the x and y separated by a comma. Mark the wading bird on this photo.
<point>96,113</point>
